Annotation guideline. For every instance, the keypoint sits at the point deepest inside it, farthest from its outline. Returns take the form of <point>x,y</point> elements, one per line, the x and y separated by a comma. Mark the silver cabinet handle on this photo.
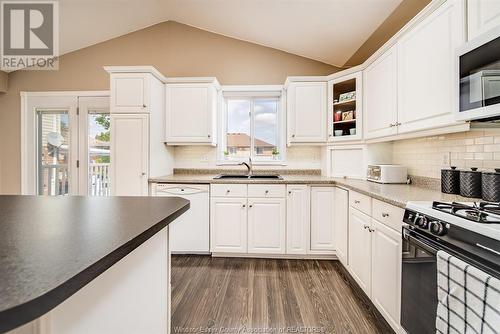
<point>385,214</point>
<point>356,202</point>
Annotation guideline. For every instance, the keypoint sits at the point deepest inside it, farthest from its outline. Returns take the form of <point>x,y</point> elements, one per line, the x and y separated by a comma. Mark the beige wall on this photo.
<point>174,49</point>
<point>424,156</point>
<point>3,81</point>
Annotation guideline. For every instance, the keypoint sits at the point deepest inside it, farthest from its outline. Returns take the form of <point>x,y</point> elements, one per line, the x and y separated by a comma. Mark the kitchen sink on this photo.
<point>231,176</point>
<point>267,177</point>
<point>257,177</point>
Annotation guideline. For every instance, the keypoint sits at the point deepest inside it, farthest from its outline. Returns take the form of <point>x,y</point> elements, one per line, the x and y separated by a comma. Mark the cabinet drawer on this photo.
<point>229,190</point>
<point>266,190</point>
<point>361,202</point>
<point>387,214</point>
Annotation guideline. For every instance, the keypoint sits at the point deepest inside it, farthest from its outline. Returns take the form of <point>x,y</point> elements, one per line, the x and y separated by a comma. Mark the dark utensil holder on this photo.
<point>470,183</point>
<point>491,186</point>
<point>450,181</point>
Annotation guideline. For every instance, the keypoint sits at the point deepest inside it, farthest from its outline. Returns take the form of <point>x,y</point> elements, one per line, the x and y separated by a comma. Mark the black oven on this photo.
<point>419,266</point>
<point>419,284</point>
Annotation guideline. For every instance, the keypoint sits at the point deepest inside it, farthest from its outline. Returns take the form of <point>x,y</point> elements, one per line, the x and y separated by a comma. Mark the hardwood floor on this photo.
<point>234,295</point>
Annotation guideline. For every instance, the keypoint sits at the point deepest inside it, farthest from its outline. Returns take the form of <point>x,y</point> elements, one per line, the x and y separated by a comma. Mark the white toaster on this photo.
<point>387,173</point>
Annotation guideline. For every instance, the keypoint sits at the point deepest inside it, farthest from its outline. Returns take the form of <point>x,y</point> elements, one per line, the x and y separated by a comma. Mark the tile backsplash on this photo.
<point>297,157</point>
<point>428,155</point>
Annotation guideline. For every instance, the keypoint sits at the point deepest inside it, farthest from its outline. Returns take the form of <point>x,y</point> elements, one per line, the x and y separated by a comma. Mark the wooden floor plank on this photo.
<point>235,295</point>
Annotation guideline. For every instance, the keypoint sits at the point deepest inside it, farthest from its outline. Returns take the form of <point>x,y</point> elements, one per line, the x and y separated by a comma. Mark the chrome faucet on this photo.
<point>248,165</point>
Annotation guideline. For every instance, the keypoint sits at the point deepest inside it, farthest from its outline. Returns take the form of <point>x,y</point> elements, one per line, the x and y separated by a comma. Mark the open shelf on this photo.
<point>351,101</point>
<point>346,121</point>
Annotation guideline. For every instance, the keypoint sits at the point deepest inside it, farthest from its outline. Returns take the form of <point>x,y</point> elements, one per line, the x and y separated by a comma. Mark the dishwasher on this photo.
<point>190,233</point>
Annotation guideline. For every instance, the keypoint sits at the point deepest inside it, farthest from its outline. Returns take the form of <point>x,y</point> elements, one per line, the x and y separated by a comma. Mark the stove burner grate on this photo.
<point>482,213</point>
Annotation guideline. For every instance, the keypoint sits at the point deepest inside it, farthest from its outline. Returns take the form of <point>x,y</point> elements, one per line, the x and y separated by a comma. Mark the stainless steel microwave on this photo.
<point>478,69</point>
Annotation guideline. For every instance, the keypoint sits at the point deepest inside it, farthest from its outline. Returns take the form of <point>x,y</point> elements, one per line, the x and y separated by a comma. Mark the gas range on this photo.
<point>438,218</point>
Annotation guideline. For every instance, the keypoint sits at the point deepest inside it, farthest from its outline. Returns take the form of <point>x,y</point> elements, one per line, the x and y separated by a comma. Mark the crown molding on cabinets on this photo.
<point>304,79</point>
<point>136,69</point>
<point>194,80</point>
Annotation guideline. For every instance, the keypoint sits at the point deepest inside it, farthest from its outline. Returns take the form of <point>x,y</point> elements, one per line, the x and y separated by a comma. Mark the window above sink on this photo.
<point>252,125</point>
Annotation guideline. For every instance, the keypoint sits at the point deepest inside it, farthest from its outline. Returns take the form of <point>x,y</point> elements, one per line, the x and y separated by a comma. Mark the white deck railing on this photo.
<point>54,180</point>
<point>99,184</point>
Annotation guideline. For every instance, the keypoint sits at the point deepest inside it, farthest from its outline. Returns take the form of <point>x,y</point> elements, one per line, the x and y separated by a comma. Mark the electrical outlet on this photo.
<point>445,158</point>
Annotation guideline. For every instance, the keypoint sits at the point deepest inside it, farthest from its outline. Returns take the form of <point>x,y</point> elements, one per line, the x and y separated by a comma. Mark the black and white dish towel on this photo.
<point>468,298</point>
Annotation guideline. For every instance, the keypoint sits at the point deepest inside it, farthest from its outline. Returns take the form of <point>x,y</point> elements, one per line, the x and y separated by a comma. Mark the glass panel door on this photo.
<point>53,152</point>
<point>94,146</point>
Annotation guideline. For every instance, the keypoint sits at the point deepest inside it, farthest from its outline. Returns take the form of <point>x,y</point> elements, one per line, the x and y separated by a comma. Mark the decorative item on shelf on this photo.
<point>347,96</point>
<point>491,186</point>
<point>337,116</point>
<point>450,181</point>
<point>348,115</point>
<point>275,153</point>
<point>352,131</point>
<point>226,153</point>
<point>338,133</point>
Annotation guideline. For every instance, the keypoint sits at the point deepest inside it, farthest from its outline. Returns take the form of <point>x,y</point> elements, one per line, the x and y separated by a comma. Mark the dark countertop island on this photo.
<point>51,247</point>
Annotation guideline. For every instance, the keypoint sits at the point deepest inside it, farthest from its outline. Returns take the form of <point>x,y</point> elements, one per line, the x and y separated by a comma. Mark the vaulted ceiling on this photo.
<point>330,31</point>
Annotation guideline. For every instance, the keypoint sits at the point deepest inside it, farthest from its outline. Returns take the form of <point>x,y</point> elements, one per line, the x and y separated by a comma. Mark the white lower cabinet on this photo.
<point>341,224</point>
<point>322,216</point>
<point>375,254</point>
<point>228,220</point>
<point>386,272</point>
<point>266,225</point>
<point>298,219</point>
<point>360,248</point>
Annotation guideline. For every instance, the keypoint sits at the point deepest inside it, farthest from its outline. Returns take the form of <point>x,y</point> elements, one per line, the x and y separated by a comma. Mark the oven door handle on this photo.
<point>420,242</point>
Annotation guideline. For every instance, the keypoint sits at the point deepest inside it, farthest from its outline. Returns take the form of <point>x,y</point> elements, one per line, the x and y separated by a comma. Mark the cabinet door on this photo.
<point>483,15</point>
<point>266,225</point>
<point>298,211</point>
<point>386,272</point>
<point>228,225</point>
<point>129,154</point>
<point>322,216</point>
<point>191,110</point>
<point>380,107</point>
<point>426,77</point>
<point>129,92</point>
<point>341,224</point>
<point>306,112</point>
<point>360,249</point>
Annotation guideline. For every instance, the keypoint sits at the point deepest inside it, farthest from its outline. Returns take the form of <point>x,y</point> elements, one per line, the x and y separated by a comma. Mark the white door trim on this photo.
<point>28,140</point>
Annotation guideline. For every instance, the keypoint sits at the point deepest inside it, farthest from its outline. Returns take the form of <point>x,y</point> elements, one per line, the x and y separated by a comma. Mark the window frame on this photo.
<point>251,93</point>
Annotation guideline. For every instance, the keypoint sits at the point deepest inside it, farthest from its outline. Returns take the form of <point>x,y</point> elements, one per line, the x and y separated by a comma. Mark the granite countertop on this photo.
<point>51,247</point>
<point>395,194</point>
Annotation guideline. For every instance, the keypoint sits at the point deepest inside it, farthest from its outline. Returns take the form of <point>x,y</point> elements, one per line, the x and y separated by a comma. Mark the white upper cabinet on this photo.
<point>307,112</point>
<point>130,154</point>
<point>266,225</point>
<point>426,78</point>
<point>298,219</point>
<point>322,217</point>
<point>191,111</point>
<point>483,15</point>
<point>341,224</point>
<point>130,92</point>
<point>380,96</point>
